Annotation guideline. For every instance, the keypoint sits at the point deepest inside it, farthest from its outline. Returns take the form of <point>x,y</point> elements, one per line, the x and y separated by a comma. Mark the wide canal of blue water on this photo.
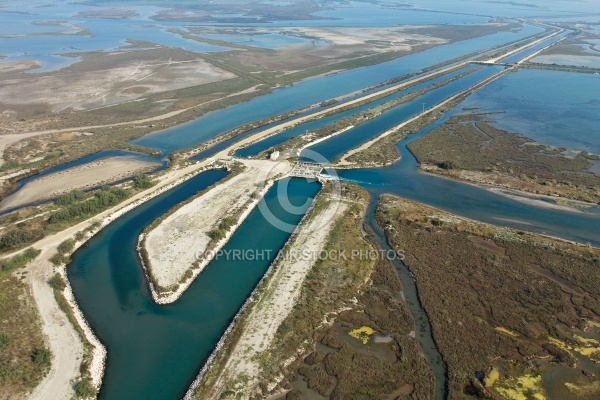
<point>155,352</point>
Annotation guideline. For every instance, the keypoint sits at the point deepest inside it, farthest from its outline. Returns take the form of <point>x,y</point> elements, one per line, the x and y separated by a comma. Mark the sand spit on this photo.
<point>174,244</point>
<point>540,200</point>
<point>95,173</point>
<point>394,38</point>
<point>280,293</point>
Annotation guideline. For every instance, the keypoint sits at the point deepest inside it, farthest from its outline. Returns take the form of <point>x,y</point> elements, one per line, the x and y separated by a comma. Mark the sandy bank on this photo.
<point>83,176</point>
<point>280,293</point>
<point>540,200</point>
<point>172,246</point>
<point>65,343</point>
<point>63,340</point>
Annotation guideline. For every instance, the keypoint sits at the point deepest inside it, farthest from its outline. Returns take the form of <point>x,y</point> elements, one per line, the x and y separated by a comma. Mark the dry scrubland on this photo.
<point>318,349</point>
<point>469,147</point>
<point>511,312</point>
<point>24,355</point>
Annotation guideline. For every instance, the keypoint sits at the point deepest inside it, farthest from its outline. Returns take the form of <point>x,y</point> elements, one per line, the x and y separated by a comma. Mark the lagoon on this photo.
<point>551,107</point>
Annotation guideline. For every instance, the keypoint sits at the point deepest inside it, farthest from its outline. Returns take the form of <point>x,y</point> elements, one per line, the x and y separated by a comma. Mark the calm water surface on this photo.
<point>155,352</point>
<point>311,126</point>
<point>552,107</point>
<point>337,145</point>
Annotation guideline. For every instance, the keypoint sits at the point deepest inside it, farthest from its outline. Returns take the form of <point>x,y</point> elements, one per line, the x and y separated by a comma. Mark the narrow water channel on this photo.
<point>279,138</point>
<point>338,145</point>
<point>423,333</point>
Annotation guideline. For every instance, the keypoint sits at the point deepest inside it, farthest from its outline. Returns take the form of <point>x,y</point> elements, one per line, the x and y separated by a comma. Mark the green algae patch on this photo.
<point>507,331</point>
<point>594,324</point>
<point>492,377</point>
<point>363,333</point>
<point>592,388</point>
<point>587,347</point>
<point>524,387</point>
<point>558,343</point>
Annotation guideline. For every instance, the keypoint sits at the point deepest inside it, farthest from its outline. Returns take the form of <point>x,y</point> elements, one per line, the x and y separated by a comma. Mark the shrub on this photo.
<point>67,246</point>
<point>227,223</point>
<point>59,259</point>
<point>143,182</point>
<point>94,225</point>
<point>18,261</point>
<point>8,165</point>
<point>447,165</point>
<point>84,389</point>
<point>57,282</point>
<point>102,199</point>
<point>16,238</point>
<point>71,197</point>
<point>216,234</point>
<point>5,341</point>
<point>41,357</point>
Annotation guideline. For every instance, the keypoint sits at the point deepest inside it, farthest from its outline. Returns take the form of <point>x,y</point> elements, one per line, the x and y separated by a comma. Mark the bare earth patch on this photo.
<point>87,175</point>
<point>392,38</point>
<point>171,246</point>
<point>110,79</point>
<point>18,66</point>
